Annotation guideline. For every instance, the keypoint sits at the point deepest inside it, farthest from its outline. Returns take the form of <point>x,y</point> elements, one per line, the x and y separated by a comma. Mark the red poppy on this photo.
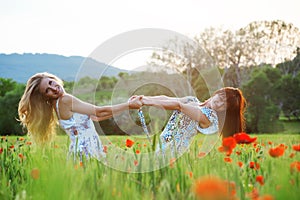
<point>213,188</point>
<point>240,164</point>
<point>1,150</point>
<point>296,147</point>
<point>129,143</point>
<point>201,154</point>
<point>277,151</point>
<point>292,155</point>
<point>35,173</point>
<point>21,156</point>
<point>254,165</point>
<point>172,161</point>
<point>260,179</point>
<point>105,149</point>
<point>228,144</point>
<point>137,151</point>
<point>228,159</point>
<point>243,138</point>
<point>295,166</point>
<point>135,162</point>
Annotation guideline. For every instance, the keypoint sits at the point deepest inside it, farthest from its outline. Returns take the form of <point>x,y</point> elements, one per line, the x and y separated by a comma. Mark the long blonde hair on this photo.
<point>36,113</point>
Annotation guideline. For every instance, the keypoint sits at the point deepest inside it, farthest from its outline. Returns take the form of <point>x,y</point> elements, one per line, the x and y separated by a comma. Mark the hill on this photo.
<point>20,67</point>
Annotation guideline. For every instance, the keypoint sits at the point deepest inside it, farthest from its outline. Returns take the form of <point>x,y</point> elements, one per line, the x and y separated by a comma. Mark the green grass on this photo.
<point>62,179</point>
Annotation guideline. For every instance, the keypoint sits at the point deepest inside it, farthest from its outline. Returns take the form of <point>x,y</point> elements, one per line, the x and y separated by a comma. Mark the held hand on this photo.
<point>135,102</point>
<point>146,101</point>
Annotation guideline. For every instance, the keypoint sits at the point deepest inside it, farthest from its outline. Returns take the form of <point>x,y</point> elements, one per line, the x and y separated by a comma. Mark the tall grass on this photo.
<point>28,172</point>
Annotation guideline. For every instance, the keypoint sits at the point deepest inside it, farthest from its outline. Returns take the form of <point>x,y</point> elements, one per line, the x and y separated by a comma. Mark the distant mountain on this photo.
<point>20,67</point>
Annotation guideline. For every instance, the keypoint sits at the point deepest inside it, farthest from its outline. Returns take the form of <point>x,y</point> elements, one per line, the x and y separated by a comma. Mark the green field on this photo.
<point>28,172</point>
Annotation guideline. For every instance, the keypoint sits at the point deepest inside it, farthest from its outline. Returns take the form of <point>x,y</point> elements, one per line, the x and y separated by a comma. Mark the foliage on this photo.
<point>9,111</point>
<point>262,114</point>
<point>250,172</point>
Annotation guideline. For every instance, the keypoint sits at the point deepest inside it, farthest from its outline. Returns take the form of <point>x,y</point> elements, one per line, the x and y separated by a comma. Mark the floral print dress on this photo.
<point>180,129</point>
<point>84,139</point>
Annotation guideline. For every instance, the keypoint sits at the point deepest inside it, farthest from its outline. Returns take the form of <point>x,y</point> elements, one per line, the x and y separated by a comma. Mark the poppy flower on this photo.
<point>105,149</point>
<point>240,164</point>
<point>277,151</point>
<point>228,144</point>
<point>254,165</point>
<point>135,162</point>
<point>129,143</point>
<point>227,159</point>
<point>295,166</point>
<point>172,161</point>
<point>260,179</point>
<point>201,154</point>
<point>137,151</point>
<point>35,173</point>
<point>213,188</point>
<point>243,138</point>
<point>1,150</point>
<point>296,147</point>
<point>21,156</point>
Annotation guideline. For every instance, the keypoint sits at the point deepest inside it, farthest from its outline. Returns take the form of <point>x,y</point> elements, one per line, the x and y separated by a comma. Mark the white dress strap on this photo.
<point>57,110</point>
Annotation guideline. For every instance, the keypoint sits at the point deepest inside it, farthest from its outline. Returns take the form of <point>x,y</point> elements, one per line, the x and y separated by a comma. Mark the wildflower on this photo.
<point>212,188</point>
<point>201,154</point>
<point>172,161</point>
<point>35,173</point>
<point>277,151</point>
<point>135,162</point>
<point>21,156</point>
<point>240,164</point>
<point>81,164</point>
<point>254,194</point>
<point>228,159</point>
<point>295,166</point>
<point>21,139</point>
<point>292,155</point>
<point>296,147</point>
<point>28,143</point>
<point>190,173</point>
<point>137,151</point>
<point>228,144</point>
<point>254,165</point>
<point>129,143</point>
<point>1,150</point>
<point>243,138</point>
<point>105,149</point>
<point>260,179</point>
<point>266,197</point>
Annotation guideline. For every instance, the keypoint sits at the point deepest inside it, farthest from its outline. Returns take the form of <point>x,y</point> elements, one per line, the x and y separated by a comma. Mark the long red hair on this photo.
<point>232,120</point>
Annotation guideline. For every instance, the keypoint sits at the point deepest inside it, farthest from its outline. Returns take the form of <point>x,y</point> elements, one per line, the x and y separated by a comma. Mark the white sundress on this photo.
<point>180,129</point>
<point>84,138</point>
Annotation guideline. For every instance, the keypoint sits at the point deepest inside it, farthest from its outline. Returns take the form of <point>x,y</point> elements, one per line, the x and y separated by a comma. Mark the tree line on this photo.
<point>262,59</point>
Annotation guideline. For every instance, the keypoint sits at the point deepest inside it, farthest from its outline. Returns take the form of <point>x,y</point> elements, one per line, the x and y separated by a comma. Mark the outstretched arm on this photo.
<point>99,112</point>
<point>191,110</point>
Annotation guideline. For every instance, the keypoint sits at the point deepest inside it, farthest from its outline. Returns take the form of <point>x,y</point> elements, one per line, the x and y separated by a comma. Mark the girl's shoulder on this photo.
<point>66,99</point>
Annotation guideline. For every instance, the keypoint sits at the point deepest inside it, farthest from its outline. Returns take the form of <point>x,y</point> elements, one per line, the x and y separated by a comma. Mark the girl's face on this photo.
<point>51,89</point>
<point>217,103</point>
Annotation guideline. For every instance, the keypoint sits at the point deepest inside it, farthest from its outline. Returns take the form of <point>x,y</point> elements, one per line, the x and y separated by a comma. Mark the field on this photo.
<point>249,172</point>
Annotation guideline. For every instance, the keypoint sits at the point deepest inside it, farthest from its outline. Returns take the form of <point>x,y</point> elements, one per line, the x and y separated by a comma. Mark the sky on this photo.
<point>77,28</point>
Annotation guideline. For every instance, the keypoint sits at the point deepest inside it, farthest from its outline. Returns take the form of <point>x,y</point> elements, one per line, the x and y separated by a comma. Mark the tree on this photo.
<point>262,114</point>
<point>6,85</point>
<point>9,111</point>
